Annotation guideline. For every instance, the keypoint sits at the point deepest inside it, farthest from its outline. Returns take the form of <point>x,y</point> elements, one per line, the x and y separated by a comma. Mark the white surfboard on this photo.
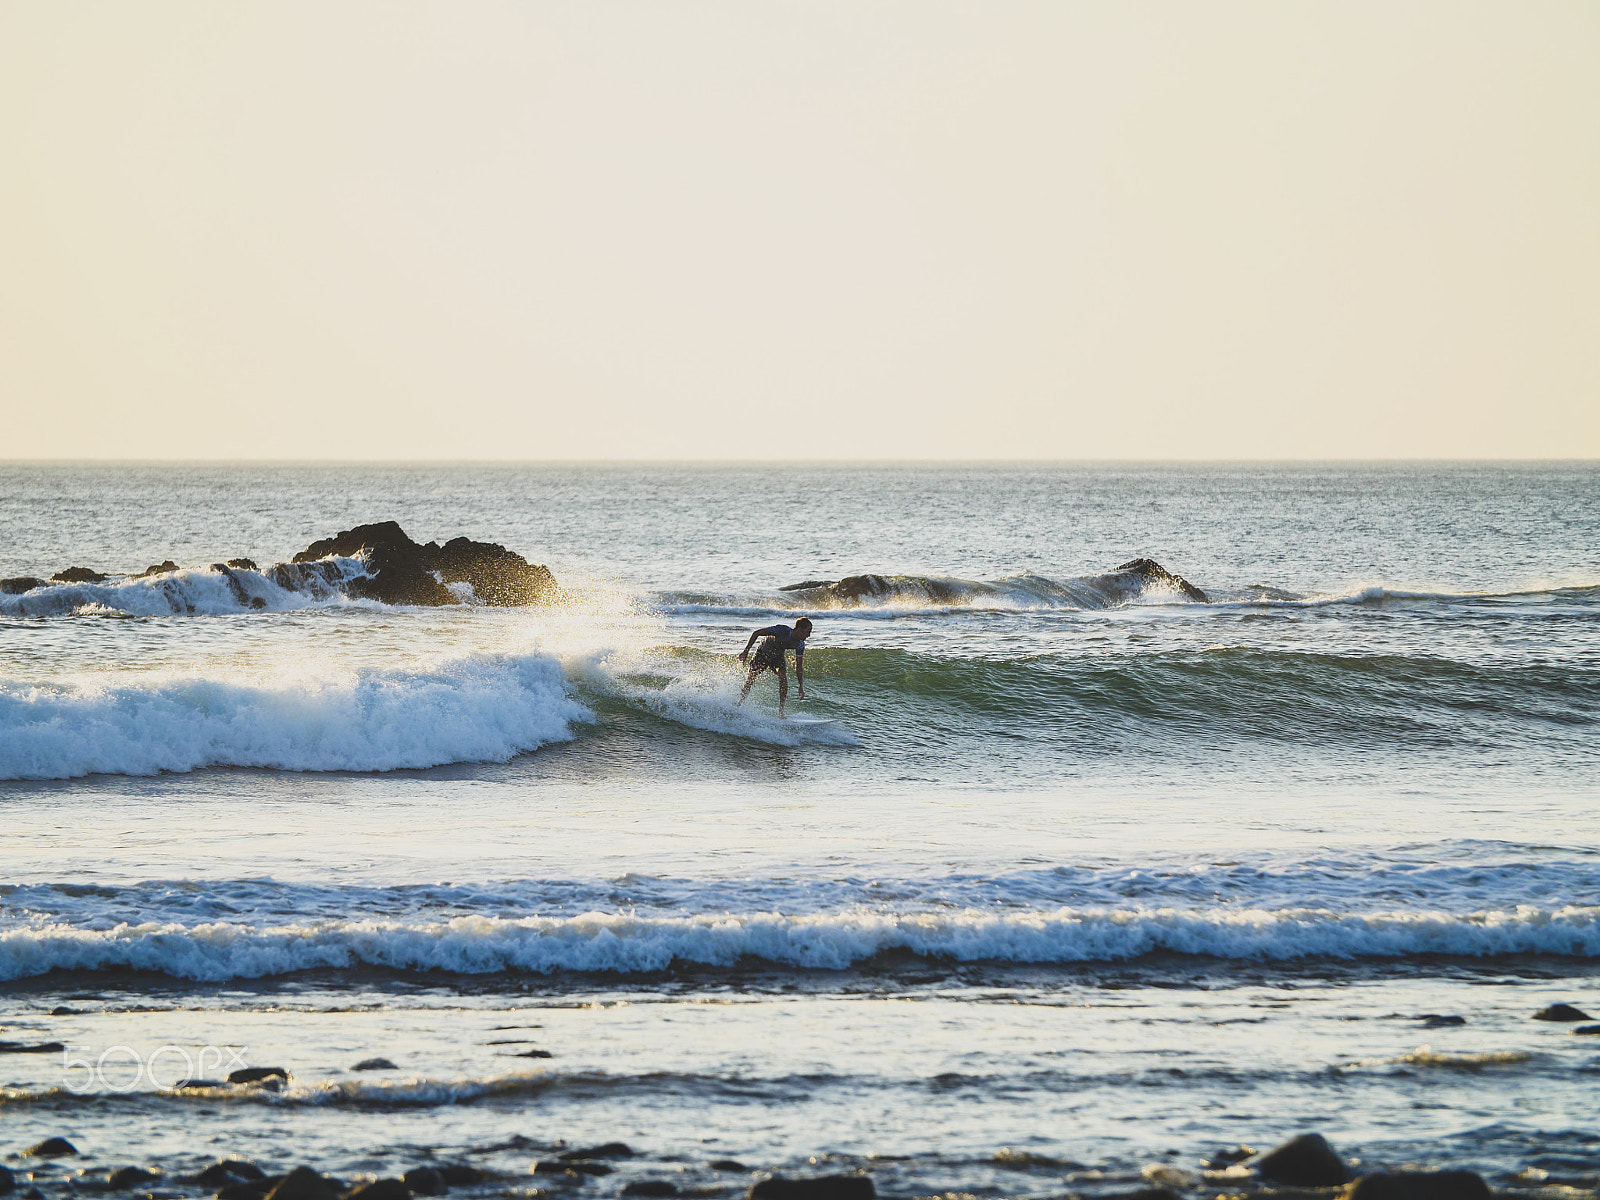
<point>812,720</point>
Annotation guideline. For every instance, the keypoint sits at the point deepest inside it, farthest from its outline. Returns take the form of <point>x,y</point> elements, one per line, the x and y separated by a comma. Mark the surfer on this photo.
<point>769,657</point>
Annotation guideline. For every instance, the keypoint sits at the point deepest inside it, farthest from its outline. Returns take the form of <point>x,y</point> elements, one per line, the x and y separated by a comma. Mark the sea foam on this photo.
<point>626,943</point>
<point>481,708</point>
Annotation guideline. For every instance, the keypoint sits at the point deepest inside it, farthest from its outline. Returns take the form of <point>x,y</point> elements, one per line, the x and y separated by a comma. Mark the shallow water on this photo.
<point>1109,879</point>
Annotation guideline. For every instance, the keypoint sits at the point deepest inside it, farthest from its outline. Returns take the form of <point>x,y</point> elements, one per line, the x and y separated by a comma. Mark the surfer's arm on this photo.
<point>745,653</point>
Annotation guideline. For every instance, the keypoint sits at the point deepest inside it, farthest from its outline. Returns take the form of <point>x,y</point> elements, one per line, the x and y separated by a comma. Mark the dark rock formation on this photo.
<point>1305,1161</point>
<point>461,1174</point>
<point>243,564</point>
<point>727,1164</point>
<point>1225,1158</point>
<point>1149,571</point>
<point>78,575</point>
<point>1437,1021</point>
<point>124,1178</point>
<point>1561,1012</point>
<point>1419,1185</point>
<point>808,585</point>
<point>1587,1030</point>
<point>161,568</point>
<point>259,1075</point>
<point>375,1064</point>
<point>229,1170</point>
<point>18,584</point>
<point>381,1189</point>
<point>589,1153</point>
<point>424,1181</point>
<point>651,1189</point>
<point>55,1147</point>
<point>7,1181</point>
<point>400,571</point>
<point>824,1187</point>
<point>30,1047</point>
<point>249,1189</point>
<point>303,1183</point>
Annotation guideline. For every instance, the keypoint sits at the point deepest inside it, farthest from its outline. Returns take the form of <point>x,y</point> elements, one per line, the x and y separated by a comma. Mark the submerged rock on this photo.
<point>30,1047</point>
<point>461,1174</point>
<point>56,1147</point>
<point>259,1075</point>
<point>304,1183</point>
<point>1438,1021</point>
<point>605,1150</point>
<point>1149,571</point>
<point>1305,1161</point>
<point>381,1189</point>
<point>161,568</point>
<point>374,1064</point>
<point>18,584</point>
<point>1419,1185</point>
<point>124,1178</point>
<point>424,1181</point>
<point>822,1187</point>
<point>651,1189</point>
<point>78,575</point>
<point>1561,1012</point>
<point>7,1180</point>
<point>1587,1029</point>
<point>230,1170</point>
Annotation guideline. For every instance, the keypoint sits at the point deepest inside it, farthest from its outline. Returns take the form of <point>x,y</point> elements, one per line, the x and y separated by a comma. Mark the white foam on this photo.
<point>204,591</point>
<point>628,943</point>
<point>481,708</point>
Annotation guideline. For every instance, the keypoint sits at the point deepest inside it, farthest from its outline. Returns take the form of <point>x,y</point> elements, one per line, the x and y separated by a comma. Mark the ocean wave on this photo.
<point>629,944</point>
<point>484,708</point>
<point>217,590</point>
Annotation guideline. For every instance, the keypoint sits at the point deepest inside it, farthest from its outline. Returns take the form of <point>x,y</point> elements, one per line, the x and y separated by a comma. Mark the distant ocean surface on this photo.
<point>1081,879</point>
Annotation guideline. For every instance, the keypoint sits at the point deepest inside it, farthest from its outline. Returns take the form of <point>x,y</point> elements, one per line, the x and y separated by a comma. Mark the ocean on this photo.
<point>1087,880</point>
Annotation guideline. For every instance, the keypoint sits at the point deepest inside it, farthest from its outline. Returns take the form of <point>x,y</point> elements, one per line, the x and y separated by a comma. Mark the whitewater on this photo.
<point>1162,808</point>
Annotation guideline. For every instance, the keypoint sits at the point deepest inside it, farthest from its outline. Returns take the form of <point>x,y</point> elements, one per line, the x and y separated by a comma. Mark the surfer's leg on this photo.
<point>749,682</point>
<point>783,688</point>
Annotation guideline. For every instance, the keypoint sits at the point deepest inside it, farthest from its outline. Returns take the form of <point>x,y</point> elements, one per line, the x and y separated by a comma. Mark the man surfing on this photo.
<point>770,657</point>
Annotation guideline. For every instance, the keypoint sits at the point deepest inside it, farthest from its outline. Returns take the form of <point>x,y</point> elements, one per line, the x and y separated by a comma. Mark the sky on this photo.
<point>837,229</point>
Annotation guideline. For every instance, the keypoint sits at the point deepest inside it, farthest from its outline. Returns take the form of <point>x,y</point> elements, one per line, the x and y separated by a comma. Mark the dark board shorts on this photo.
<point>769,656</point>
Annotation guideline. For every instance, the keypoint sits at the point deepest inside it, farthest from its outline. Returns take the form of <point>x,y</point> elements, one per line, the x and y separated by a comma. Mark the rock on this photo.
<point>1419,1185</point>
<point>381,1189</point>
<point>1150,1193</point>
<point>1305,1161</point>
<point>531,1054</point>
<point>808,585</point>
<point>1150,571</point>
<point>1437,1021</point>
<point>1561,1012</point>
<point>51,1148</point>
<point>1227,1157</point>
<point>461,1174</point>
<point>7,1181</point>
<point>18,584</point>
<point>303,1183</point>
<point>652,1188</point>
<point>498,576</point>
<point>823,1187</point>
<point>1587,1029</point>
<point>726,1164</point>
<point>193,1085</point>
<point>161,568</point>
<point>424,1181</point>
<point>588,1168</point>
<point>124,1178</point>
<point>606,1150</point>
<point>30,1047</point>
<point>374,1064</point>
<point>78,575</point>
<point>249,1189</point>
<point>243,564</point>
<point>259,1075</point>
<point>61,1010</point>
<point>229,1170</point>
<point>402,572</point>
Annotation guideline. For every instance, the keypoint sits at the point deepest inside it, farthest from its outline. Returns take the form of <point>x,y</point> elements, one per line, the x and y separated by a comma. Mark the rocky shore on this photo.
<point>1305,1168</point>
<point>397,570</point>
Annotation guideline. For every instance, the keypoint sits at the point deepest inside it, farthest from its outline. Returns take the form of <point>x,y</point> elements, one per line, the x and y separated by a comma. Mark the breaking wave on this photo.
<point>629,944</point>
<point>482,708</point>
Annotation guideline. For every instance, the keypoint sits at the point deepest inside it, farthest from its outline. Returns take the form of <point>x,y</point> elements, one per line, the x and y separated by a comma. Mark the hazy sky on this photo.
<point>799,230</point>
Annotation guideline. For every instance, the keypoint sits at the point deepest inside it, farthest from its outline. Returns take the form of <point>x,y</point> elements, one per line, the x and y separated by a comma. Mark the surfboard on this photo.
<point>812,720</point>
